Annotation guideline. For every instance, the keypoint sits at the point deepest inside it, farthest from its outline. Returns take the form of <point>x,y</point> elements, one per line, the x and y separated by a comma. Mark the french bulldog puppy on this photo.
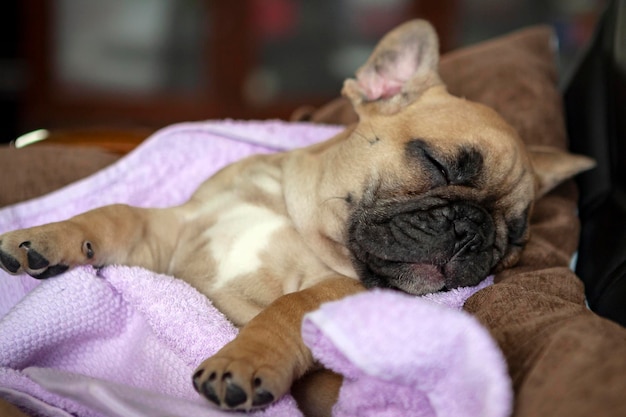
<point>426,192</point>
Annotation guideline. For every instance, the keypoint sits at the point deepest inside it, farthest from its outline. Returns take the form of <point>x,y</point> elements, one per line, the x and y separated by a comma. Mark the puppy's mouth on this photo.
<point>423,245</point>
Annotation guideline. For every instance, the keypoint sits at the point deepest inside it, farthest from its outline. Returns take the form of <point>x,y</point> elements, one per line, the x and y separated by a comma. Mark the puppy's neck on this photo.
<point>317,205</point>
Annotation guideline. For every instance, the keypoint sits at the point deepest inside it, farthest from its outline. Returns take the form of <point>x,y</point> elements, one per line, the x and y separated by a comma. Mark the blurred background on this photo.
<point>68,64</point>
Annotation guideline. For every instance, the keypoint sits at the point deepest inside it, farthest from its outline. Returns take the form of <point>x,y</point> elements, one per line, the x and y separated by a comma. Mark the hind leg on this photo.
<point>116,234</point>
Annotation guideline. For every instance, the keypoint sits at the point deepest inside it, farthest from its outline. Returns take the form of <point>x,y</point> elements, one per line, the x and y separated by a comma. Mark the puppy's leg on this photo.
<point>262,362</point>
<point>317,392</point>
<point>116,234</point>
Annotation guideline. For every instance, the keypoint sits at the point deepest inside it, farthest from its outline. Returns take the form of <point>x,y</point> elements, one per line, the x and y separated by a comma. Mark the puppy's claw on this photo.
<point>196,379</point>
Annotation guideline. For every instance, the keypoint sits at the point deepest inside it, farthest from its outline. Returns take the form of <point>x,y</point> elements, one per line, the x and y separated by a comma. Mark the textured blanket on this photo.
<point>124,341</point>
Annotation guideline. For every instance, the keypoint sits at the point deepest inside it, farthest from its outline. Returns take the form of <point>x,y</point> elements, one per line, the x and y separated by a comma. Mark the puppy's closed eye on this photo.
<point>418,150</point>
<point>465,169</point>
<point>442,170</point>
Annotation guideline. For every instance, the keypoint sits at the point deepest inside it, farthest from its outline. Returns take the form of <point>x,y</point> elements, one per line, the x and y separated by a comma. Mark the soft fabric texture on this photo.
<point>396,355</point>
<point>124,341</point>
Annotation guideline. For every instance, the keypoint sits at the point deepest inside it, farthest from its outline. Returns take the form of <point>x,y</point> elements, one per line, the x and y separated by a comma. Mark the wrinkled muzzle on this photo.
<point>422,246</point>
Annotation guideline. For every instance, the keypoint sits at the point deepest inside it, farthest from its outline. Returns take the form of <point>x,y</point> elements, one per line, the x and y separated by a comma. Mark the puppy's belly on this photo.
<point>243,256</point>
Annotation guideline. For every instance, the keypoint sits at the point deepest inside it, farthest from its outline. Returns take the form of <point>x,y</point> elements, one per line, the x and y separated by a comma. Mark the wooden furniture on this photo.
<point>235,45</point>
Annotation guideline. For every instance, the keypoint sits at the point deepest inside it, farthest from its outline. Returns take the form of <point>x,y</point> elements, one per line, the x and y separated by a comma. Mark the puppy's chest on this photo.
<point>248,243</point>
<point>240,241</point>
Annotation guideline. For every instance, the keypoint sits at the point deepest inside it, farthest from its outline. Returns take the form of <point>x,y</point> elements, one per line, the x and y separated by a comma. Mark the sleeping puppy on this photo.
<point>426,192</point>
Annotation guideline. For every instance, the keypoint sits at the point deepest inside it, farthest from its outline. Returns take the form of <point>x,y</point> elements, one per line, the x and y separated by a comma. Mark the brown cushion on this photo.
<point>515,75</point>
<point>34,171</point>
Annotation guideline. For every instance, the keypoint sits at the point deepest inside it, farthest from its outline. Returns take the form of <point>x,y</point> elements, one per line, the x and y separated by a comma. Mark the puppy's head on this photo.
<point>448,196</point>
<point>437,190</point>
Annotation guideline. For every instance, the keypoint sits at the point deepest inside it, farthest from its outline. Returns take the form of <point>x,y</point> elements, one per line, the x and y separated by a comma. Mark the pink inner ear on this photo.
<point>376,87</point>
<point>388,79</point>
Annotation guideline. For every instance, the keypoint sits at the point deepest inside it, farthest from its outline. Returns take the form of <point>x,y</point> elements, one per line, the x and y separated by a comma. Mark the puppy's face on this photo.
<point>427,191</point>
<point>447,197</point>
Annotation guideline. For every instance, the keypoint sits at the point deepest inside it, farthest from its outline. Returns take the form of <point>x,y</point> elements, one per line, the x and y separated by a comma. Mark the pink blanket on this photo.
<point>124,341</point>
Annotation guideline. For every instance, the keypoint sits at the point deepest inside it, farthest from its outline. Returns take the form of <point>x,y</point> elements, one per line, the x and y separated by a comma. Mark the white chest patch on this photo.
<point>238,238</point>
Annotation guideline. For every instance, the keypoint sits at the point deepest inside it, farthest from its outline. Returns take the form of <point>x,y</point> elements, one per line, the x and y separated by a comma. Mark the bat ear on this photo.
<point>403,64</point>
<point>552,166</point>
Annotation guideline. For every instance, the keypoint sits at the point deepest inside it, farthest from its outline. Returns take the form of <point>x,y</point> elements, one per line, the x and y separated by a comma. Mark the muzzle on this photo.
<point>423,245</point>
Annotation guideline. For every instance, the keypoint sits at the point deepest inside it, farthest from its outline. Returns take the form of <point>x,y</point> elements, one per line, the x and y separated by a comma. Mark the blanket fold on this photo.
<point>123,341</point>
<point>405,356</point>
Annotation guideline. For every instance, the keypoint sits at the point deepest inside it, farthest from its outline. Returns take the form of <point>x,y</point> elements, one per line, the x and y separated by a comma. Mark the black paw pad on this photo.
<point>262,397</point>
<point>52,271</point>
<point>207,390</point>
<point>235,395</point>
<point>9,262</point>
<point>35,260</point>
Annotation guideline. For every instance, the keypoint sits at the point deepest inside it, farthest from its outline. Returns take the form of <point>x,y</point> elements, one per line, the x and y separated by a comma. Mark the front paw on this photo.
<point>41,252</point>
<point>240,381</point>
